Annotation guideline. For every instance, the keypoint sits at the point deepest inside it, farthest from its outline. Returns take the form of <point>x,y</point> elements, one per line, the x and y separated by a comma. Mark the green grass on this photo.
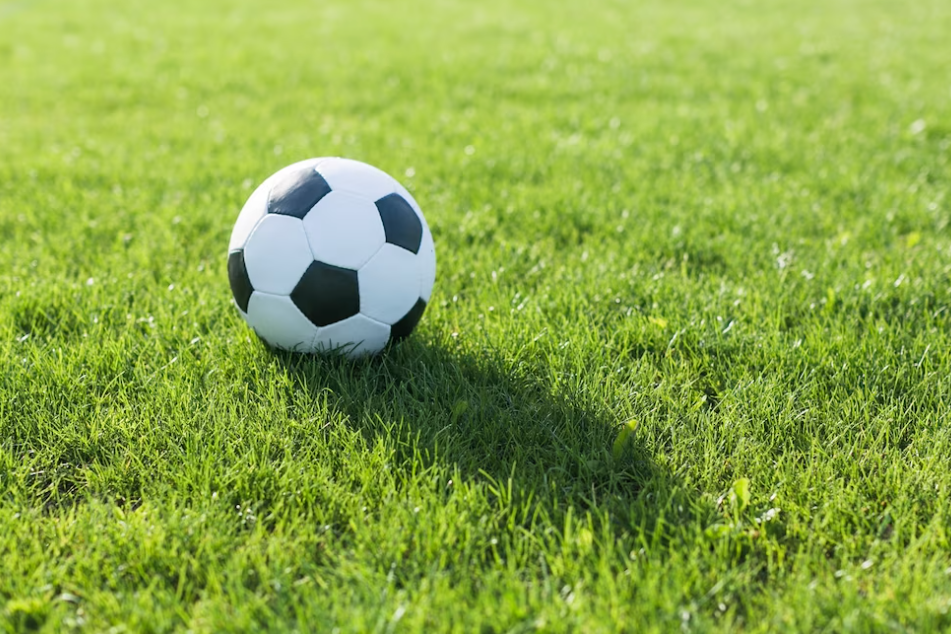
<point>687,364</point>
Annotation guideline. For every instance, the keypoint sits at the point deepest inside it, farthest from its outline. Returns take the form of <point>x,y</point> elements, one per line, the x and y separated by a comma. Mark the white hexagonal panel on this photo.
<point>251,213</point>
<point>277,254</point>
<point>276,320</point>
<point>427,250</point>
<point>356,177</point>
<point>389,284</point>
<point>353,337</point>
<point>426,261</point>
<point>344,230</point>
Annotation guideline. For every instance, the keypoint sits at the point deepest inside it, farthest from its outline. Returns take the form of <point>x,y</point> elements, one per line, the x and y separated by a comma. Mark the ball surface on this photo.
<point>331,255</point>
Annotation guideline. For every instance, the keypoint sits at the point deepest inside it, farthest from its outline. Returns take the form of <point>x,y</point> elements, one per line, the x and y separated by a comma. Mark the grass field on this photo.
<point>687,366</point>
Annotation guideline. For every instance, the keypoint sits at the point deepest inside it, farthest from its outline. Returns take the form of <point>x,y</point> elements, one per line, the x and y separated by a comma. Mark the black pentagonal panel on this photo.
<point>400,222</point>
<point>296,192</point>
<point>327,294</point>
<point>402,328</point>
<point>238,277</point>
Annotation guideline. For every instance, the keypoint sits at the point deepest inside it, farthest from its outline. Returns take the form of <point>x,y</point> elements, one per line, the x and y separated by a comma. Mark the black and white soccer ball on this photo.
<point>331,255</point>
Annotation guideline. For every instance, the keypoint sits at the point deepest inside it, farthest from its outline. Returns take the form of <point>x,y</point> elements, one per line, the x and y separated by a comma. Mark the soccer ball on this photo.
<point>331,255</point>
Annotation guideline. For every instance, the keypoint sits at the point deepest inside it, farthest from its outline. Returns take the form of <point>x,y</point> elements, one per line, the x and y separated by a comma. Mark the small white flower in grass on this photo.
<point>918,126</point>
<point>868,563</point>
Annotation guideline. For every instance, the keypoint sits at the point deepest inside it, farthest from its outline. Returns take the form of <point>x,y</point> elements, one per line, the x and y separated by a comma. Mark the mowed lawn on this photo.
<point>687,365</point>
